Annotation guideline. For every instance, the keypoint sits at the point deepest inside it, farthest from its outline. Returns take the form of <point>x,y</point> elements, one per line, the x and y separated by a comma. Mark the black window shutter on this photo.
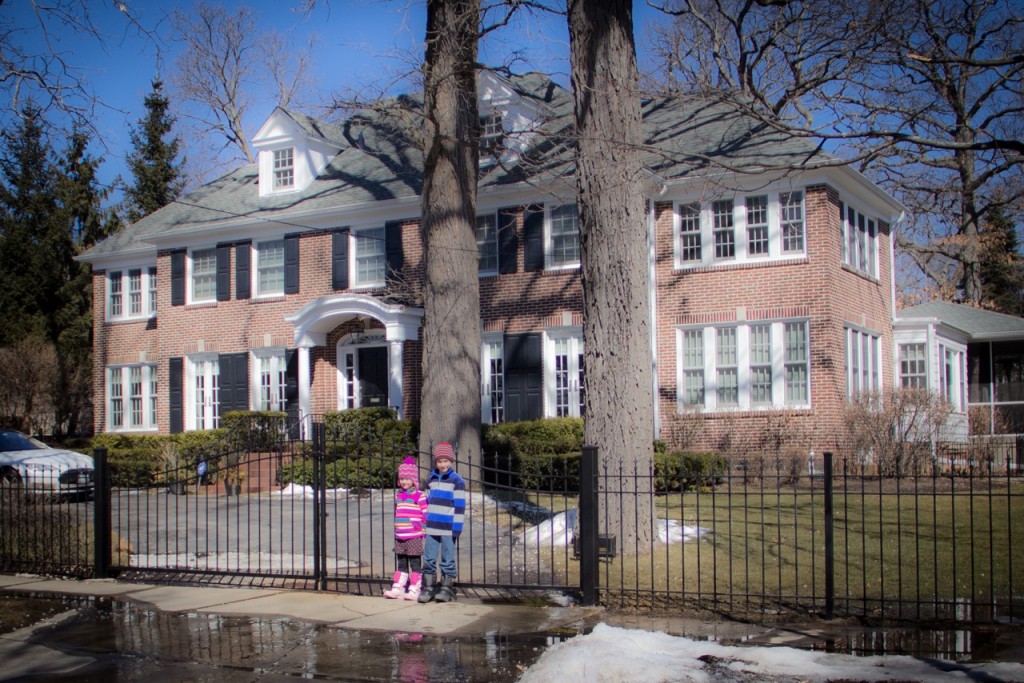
<point>339,259</point>
<point>178,278</point>
<point>394,257</point>
<point>291,264</point>
<point>234,381</point>
<point>175,383</point>
<point>243,270</point>
<point>524,377</point>
<point>533,238</point>
<point>508,243</point>
<point>223,272</point>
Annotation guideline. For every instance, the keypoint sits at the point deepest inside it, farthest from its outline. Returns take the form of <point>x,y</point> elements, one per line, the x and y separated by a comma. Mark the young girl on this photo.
<point>410,518</point>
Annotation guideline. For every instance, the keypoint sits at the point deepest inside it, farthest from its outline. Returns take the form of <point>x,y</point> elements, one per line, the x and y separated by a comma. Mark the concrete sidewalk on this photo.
<point>464,617</point>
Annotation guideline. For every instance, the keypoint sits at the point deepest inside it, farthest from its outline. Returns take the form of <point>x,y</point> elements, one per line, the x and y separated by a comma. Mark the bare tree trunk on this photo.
<point>451,298</point>
<point>613,247</point>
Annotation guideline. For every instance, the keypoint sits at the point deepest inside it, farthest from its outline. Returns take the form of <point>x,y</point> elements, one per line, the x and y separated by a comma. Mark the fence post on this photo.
<point>830,560</point>
<point>588,526</point>
<point>101,514</point>
<point>318,437</point>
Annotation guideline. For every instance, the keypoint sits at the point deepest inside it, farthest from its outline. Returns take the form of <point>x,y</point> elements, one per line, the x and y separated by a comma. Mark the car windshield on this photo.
<point>14,441</point>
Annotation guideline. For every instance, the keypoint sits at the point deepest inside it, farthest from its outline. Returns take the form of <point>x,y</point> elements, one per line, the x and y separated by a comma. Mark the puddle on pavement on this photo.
<point>103,639</point>
<point>129,642</point>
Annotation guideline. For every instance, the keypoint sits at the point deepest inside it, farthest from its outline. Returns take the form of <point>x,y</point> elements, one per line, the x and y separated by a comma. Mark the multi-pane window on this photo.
<point>152,290</point>
<point>370,257</point>
<point>487,244</point>
<point>693,367</point>
<point>726,367</point>
<point>757,225</point>
<point>131,397</point>
<point>689,232</point>
<point>743,366</point>
<point>913,366</point>
<point>491,134</point>
<point>863,362</point>
<point>564,247</point>
<point>270,267</point>
<point>284,168</point>
<point>791,221</point>
<point>859,240</point>
<point>270,367</point>
<point>760,364</point>
<point>349,380</point>
<point>204,275</point>
<point>724,229</point>
<point>135,292</point>
<point>131,293</point>
<point>796,363</point>
<point>564,385</point>
<point>492,376</point>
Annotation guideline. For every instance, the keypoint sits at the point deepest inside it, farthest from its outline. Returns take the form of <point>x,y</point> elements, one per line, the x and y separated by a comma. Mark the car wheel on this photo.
<point>10,477</point>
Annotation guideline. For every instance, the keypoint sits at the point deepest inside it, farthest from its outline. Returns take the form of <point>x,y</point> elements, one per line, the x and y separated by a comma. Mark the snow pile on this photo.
<point>557,531</point>
<point>610,654</point>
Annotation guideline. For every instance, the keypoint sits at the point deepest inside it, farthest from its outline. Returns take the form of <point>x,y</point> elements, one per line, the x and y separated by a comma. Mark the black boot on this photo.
<point>429,588</point>
<point>446,591</point>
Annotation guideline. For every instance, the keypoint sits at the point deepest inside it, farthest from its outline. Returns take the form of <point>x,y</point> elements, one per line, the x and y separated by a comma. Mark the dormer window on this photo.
<point>284,168</point>
<point>492,134</point>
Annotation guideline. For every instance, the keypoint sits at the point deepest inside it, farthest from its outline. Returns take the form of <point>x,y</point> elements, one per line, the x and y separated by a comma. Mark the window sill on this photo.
<point>861,274</point>
<point>740,265</point>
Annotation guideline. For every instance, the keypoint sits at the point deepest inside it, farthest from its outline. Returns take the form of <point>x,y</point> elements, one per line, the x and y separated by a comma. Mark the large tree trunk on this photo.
<point>451,325</point>
<point>614,263</point>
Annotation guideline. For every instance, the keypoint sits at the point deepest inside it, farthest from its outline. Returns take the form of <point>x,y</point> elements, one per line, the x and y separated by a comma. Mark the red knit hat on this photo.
<point>444,450</point>
<point>409,470</point>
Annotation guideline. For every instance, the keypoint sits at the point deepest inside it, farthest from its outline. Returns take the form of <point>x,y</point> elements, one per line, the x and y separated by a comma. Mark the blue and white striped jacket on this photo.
<point>446,504</point>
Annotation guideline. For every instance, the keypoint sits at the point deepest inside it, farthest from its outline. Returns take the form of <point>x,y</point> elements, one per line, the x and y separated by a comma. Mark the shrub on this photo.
<point>369,431</point>
<point>688,471</point>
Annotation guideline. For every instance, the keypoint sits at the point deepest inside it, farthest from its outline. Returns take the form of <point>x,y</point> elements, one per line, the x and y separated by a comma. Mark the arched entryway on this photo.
<point>369,365</point>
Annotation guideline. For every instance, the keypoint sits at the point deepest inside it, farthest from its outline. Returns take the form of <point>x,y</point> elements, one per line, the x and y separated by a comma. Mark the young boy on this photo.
<point>446,509</point>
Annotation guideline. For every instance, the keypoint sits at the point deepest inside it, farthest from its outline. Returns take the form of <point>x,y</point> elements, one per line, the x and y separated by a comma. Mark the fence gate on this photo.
<point>317,512</point>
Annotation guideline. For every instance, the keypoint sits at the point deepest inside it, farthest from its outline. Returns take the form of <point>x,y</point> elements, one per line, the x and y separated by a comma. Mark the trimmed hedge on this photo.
<point>135,458</point>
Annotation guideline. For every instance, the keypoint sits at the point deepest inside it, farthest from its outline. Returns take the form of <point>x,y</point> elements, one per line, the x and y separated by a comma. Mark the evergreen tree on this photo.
<point>1002,266</point>
<point>28,195</point>
<point>156,170</point>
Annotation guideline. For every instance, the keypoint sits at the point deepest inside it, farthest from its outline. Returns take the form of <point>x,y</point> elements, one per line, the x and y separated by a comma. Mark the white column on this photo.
<point>395,397</point>
<point>304,398</point>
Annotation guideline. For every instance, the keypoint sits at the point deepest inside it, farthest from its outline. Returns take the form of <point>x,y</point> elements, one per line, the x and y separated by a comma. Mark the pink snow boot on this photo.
<point>398,587</point>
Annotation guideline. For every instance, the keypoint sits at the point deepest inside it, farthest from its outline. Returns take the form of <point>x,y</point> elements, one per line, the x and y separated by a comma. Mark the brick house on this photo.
<point>294,283</point>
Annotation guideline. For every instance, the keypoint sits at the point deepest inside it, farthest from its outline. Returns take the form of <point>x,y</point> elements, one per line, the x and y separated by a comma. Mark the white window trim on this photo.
<point>775,245</point>
<point>777,328</point>
<point>574,335</point>
<point>148,282</point>
<point>259,357</point>
<point>280,187</point>
<point>489,341</point>
<point>353,258</point>
<point>489,272</point>
<point>852,261</point>
<point>957,383</point>
<point>875,367</point>
<point>549,242</point>
<point>192,361</point>
<point>190,276</point>
<point>149,420</point>
<point>255,275</point>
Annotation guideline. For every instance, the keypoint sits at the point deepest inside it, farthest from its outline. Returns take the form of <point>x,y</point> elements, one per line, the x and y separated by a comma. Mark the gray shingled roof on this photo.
<point>378,162</point>
<point>979,324</point>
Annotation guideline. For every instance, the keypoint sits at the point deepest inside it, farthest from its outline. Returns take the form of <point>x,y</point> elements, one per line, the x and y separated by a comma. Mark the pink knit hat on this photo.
<point>409,470</point>
<point>444,450</point>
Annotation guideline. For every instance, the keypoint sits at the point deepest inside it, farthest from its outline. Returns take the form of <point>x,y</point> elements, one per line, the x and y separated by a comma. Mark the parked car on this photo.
<point>31,464</point>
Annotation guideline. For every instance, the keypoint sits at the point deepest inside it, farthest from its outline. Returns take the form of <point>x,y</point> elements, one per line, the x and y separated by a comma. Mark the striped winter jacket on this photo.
<point>446,503</point>
<point>410,514</point>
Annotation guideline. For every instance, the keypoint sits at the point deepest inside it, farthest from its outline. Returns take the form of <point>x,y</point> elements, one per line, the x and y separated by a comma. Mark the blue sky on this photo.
<point>359,44</point>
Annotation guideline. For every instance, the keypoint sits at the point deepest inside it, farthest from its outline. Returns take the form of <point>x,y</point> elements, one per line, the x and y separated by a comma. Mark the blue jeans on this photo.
<point>443,545</point>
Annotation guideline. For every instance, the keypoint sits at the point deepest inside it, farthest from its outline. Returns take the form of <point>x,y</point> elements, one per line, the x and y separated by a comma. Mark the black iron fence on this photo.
<point>759,537</point>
